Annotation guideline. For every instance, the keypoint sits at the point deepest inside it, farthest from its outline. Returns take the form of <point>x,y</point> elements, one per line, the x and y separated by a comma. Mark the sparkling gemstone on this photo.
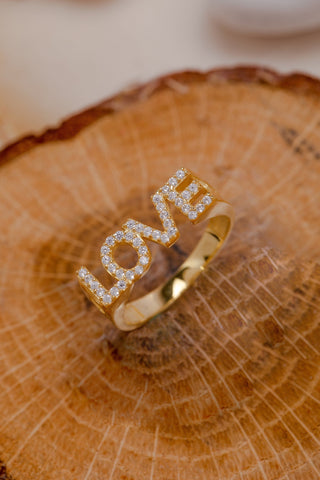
<point>94,284</point>
<point>114,291</point>
<point>119,235</point>
<point>172,196</point>
<point>110,241</point>
<point>186,208</point>
<point>143,250</point>
<point>186,194</point>
<point>88,278</point>
<point>156,234</point>
<point>104,250</point>
<point>179,202</point>
<point>129,236</point>
<point>144,260</point>
<point>180,174</point>
<point>139,227</point>
<point>207,200</point>
<point>106,259</point>
<point>160,207</point>
<point>172,232</point>
<point>131,223</point>
<point>157,198</point>
<point>122,285</point>
<point>112,267</point>
<point>120,273</point>
<point>82,272</point>
<point>139,270</point>
<point>147,231</point>
<point>136,242</point>
<point>101,292</point>
<point>167,223</point>
<point>107,298</point>
<point>200,208</point>
<point>130,275</point>
<point>165,189</point>
<point>193,215</point>
<point>173,181</point>
<point>193,187</point>
<point>164,215</point>
<point>164,238</point>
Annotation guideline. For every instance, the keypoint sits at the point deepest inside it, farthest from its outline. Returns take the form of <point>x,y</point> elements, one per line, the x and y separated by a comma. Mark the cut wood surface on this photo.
<point>226,384</point>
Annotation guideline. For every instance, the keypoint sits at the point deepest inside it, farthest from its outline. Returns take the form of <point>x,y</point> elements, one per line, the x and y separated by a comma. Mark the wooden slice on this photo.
<point>225,385</point>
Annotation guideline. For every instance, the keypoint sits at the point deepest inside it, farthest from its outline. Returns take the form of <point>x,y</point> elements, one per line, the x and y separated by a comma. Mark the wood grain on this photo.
<point>225,385</point>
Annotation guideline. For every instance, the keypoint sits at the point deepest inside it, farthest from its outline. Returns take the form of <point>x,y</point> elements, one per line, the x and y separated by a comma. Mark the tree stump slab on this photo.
<point>225,384</point>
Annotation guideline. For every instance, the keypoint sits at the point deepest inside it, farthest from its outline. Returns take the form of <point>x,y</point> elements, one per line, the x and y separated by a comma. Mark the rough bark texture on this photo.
<point>225,385</point>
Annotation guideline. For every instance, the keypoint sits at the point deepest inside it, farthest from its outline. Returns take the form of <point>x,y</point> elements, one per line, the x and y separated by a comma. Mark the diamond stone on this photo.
<point>173,181</point>
<point>82,272</point>
<point>112,267</point>
<point>144,260</point>
<point>164,215</point>
<point>207,200</point>
<point>143,250</point>
<point>160,207</point>
<point>147,231</point>
<point>106,259</point>
<point>101,292</point>
<point>139,270</point>
<point>186,194</point>
<point>88,278</point>
<point>120,273</point>
<point>172,196</point>
<point>193,187</point>
<point>179,202</point>
<point>94,284</point>
<point>122,285</point>
<point>136,242</point>
<point>119,235</point>
<point>193,215</point>
<point>139,227</point>
<point>130,275</point>
<point>104,250</point>
<point>165,189</point>
<point>107,298</point>
<point>172,232</point>
<point>186,208</point>
<point>180,174</point>
<point>129,236</point>
<point>110,241</point>
<point>114,291</point>
<point>200,208</point>
<point>167,223</point>
<point>131,223</point>
<point>157,198</point>
<point>156,234</point>
<point>164,238</point>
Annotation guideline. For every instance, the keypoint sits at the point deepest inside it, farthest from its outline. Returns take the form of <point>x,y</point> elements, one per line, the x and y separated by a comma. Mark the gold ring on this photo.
<point>198,202</point>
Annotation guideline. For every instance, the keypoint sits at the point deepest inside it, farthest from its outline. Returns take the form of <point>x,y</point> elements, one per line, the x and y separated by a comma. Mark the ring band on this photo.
<point>198,202</point>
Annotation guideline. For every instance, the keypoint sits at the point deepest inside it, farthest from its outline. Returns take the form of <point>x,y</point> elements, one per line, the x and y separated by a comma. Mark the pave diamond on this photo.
<point>129,236</point>
<point>179,202</point>
<point>136,242</point>
<point>143,250</point>
<point>139,270</point>
<point>200,208</point>
<point>147,231</point>
<point>120,273</point>
<point>156,235</point>
<point>164,215</point>
<point>157,198</point>
<point>173,181</point>
<point>164,238</point>
<point>180,174</point>
<point>144,260</point>
<point>193,215</point>
<point>139,227</point>
<point>167,223</point>
<point>110,241</point>
<point>106,259</point>
<point>130,275</point>
<point>186,208</point>
<point>172,232</point>
<point>131,223</point>
<point>88,278</point>
<point>112,267</point>
<point>114,291</point>
<point>165,189</point>
<point>186,194</point>
<point>107,299</point>
<point>104,250</point>
<point>82,272</point>
<point>119,235</point>
<point>122,285</point>
<point>172,196</point>
<point>193,187</point>
<point>207,200</point>
<point>100,292</point>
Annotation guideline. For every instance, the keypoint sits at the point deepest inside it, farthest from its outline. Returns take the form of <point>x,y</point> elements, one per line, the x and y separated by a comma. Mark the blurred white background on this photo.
<point>58,57</point>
